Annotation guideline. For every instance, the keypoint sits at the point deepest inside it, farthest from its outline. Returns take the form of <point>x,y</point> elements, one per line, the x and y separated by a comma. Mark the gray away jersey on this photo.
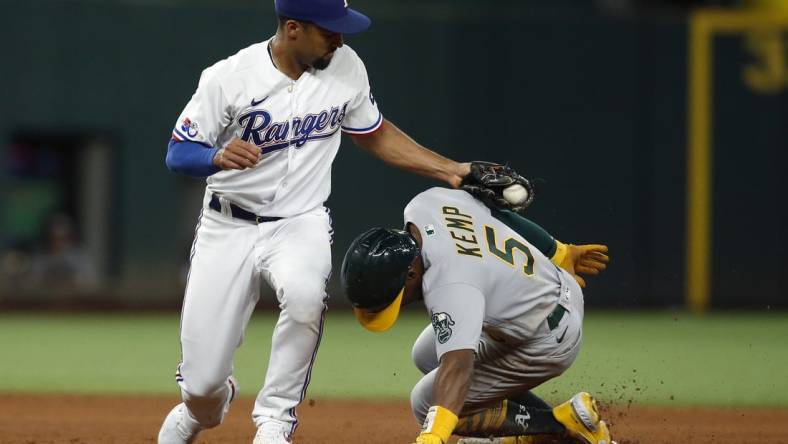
<point>479,272</point>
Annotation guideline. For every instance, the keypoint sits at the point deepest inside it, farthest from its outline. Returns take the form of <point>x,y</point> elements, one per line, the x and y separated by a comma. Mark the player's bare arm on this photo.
<point>451,388</point>
<point>396,148</point>
<point>237,155</point>
<point>453,379</point>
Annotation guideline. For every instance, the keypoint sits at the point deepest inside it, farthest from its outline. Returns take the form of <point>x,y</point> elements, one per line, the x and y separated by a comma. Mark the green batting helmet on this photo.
<point>374,272</point>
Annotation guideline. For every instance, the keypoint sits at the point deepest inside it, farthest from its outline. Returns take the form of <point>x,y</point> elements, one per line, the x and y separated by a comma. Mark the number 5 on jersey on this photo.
<point>506,253</point>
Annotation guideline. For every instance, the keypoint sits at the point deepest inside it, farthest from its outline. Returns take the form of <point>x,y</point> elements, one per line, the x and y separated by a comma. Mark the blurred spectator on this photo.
<point>14,269</point>
<point>62,266</point>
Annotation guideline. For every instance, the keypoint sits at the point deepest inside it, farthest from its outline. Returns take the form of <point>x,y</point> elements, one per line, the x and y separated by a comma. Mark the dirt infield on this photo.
<point>128,420</point>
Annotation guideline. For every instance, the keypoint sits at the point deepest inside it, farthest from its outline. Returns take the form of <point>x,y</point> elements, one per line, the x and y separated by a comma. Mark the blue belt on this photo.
<point>239,213</point>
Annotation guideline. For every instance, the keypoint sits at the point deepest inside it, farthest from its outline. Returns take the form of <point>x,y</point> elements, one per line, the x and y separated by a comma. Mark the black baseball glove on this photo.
<point>487,182</point>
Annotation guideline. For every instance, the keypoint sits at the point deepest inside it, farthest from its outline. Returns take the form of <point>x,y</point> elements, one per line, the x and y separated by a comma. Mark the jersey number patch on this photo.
<point>506,253</point>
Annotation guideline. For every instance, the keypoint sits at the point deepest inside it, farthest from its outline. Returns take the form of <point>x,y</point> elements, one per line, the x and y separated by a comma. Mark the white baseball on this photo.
<point>515,194</point>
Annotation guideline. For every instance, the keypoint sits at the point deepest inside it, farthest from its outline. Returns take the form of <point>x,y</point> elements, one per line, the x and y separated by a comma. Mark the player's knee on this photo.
<point>206,381</point>
<point>423,353</point>
<point>205,389</point>
<point>207,404</point>
<point>304,301</point>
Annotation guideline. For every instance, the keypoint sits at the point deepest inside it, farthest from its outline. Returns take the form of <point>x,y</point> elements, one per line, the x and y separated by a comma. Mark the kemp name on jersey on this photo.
<point>260,129</point>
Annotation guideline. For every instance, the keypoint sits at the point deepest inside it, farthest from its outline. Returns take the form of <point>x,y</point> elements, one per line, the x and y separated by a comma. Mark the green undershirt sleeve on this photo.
<point>533,233</point>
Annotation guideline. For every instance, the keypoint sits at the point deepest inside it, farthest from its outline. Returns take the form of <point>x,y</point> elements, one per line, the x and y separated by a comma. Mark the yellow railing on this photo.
<point>766,41</point>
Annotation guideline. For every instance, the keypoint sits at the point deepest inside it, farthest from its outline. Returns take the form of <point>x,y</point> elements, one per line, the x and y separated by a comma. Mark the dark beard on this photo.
<point>321,63</point>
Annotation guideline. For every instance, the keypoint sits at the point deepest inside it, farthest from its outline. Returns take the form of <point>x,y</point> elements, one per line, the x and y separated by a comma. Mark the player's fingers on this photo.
<point>580,269</point>
<point>599,257</point>
<point>230,165</point>
<point>242,151</point>
<point>591,258</point>
<point>592,263</point>
<point>587,264</point>
<point>252,149</point>
<point>240,161</point>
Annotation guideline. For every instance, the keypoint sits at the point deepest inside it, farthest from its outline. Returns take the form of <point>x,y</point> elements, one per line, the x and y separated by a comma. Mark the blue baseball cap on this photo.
<point>331,15</point>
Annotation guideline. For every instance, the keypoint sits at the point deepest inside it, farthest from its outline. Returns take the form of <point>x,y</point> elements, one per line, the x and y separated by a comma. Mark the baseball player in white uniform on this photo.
<point>264,127</point>
<point>506,315</point>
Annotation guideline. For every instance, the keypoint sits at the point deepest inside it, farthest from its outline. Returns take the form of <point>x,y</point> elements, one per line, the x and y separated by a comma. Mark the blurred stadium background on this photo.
<point>659,127</point>
<point>593,96</point>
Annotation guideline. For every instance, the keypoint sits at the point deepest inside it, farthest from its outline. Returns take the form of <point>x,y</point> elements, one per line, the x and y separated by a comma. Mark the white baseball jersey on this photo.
<point>480,274</point>
<point>295,123</point>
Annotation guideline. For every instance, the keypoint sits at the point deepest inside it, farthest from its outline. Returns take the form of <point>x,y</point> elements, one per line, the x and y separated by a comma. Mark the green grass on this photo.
<point>651,358</point>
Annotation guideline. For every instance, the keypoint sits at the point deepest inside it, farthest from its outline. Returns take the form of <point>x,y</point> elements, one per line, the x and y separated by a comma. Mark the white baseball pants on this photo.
<point>230,259</point>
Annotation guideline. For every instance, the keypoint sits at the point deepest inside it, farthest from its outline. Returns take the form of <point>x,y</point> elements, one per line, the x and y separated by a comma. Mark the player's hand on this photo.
<point>588,260</point>
<point>462,170</point>
<point>237,155</point>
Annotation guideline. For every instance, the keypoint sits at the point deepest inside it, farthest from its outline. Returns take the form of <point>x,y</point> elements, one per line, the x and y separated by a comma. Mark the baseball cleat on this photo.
<point>178,427</point>
<point>581,418</point>
<point>272,432</point>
